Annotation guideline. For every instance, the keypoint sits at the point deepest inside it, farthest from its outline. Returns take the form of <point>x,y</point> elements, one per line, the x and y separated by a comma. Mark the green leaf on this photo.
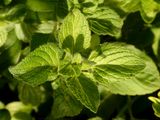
<point>5,27</point>
<point>15,107</point>
<point>61,9</point>
<point>19,111</point>
<point>48,9</point>
<point>129,5</point>
<point>39,66</point>
<point>121,69</point>
<point>77,58</point>
<point>95,41</point>
<point>72,3</point>
<point>105,21</point>
<point>120,118</point>
<point>155,105</point>
<point>116,63</point>
<point>21,116</point>
<point>23,32</point>
<point>3,37</point>
<point>4,115</point>
<point>95,118</point>
<point>7,2</point>
<point>90,5</point>
<point>14,13</point>
<point>11,39</point>
<point>71,65</point>
<point>41,5</point>
<point>30,95</point>
<point>85,91</point>
<point>146,81</point>
<point>74,32</point>
<point>65,104</point>
<point>149,9</point>
<point>2,105</point>
<point>70,70</point>
<point>39,39</point>
<point>46,27</point>
<point>156,42</point>
<point>11,52</point>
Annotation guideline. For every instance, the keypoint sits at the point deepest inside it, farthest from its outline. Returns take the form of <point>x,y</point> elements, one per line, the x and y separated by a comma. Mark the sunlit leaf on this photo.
<point>105,21</point>
<point>74,33</point>
<point>44,61</point>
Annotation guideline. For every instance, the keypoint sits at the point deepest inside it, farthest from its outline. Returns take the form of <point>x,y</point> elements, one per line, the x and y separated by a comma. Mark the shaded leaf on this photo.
<point>21,116</point>
<point>14,13</point>
<point>65,103</point>
<point>39,39</point>
<point>89,6</point>
<point>4,114</point>
<point>41,5</point>
<point>56,8</point>
<point>85,91</point>
<point>11,54</point>
<point>7,2</point>
<point>95,41</point>
<point>95,118</point>
<point>30,95</point>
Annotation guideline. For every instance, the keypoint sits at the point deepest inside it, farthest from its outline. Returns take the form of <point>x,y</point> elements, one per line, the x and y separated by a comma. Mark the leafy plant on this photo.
<point>74,57</point>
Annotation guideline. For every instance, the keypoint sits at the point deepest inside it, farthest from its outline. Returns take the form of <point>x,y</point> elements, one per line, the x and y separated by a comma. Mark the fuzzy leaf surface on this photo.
<point>65,103</point>
<point>149,9</point>
<point>105,21</point>
<point>38,66</point>
<point>30,95</point>
<point>118,65</point>
<point>85,91</point>
<point>74,33</point>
